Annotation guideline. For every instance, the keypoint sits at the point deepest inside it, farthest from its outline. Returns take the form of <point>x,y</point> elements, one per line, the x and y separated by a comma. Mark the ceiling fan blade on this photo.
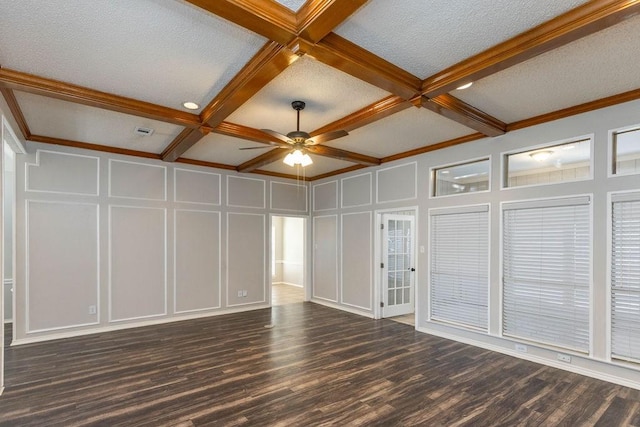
<point>278,135</point>
<point>258,148</point>
<point>328,136</point>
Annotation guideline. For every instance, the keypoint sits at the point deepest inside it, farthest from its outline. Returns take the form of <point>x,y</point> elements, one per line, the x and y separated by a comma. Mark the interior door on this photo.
<point>398,265</point>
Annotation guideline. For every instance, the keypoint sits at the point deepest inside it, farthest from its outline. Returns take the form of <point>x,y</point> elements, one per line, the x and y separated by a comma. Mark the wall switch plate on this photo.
<point>239,294</point>
<point>564,358</point>
<point>244,293</point>
<point>521,348</point>
<point>92,309</point>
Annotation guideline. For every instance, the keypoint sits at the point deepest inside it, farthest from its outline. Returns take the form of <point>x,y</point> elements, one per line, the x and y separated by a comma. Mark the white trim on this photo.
<point>504,173</point>
<point>164,181</point>
<point>15,144</point>
<point>432,177</point>
<point>288,284</point>
<point>28,329</point>
<point>335,182</point>
<point>121,326</point>
<point>337,278</point>
<point>266,264</point>
<point>538,359</point>
<point>342,180</point>
<point>611,157</point>
<point>110,267</point>
<point>175,188</point>
<point>264,191</point>
<point>175,255</point>
<point>60,153</point>
<point>348,308</point>
<point>306,197</point>
<point>370,258</point>
<point>415,184</point>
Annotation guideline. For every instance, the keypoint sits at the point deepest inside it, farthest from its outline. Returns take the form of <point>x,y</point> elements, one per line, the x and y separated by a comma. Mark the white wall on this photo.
<point>337,200</point>
<point>289,250</point>
<point>8,198</point>
<point>107,241</point>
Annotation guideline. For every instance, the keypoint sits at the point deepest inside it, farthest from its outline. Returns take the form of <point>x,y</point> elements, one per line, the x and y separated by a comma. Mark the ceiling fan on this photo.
<point>298,140</point>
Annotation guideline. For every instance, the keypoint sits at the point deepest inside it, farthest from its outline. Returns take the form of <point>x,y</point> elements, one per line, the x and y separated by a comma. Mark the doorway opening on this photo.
<point>288,260</point>
<point>396,252</point>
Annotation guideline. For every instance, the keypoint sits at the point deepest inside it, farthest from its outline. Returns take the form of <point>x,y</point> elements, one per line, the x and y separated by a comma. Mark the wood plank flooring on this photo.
<point>316,367</point>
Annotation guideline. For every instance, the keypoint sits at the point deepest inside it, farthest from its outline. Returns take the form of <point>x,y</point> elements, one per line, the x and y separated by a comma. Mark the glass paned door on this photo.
<point>397,265</point>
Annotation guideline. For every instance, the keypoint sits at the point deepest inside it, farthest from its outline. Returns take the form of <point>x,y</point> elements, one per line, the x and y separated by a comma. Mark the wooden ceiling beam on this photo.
<point>317,18</point>
<point>463,113</point>
<point>94,147</point>
<point>250,134</point>
<point>369,114</point>
<point>24,82</point>
<point>350,58</point>
<point>16,111</point>
<point>270,61</point>
<point>582,21</point>
<point>349,156</point>
<point>337,172</point>
<point>434,147</point>
<point>263,160</point>
<point>266,18</point>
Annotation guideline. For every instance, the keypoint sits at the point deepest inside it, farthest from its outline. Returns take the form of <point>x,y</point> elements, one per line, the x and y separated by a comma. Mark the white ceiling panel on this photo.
<point>293,5</point>
<point>403,131</point>
<point>164,52</point>
<point>75,122</point>
<point>424,37</point>
<point>320,165</point>
<point>591,68</point>
<point>224,149</point>
<point>329,94</point>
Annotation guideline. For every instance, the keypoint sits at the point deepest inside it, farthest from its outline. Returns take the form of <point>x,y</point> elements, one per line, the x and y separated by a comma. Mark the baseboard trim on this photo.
<point>287,284</point>
<point>118,327</point>
<point>537,359</point>
<point>343,308</point>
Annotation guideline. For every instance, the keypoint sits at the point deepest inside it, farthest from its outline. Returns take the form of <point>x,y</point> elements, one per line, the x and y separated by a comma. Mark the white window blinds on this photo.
<point>625,279</point>
<point>546,272</point>
<point>459,266</point>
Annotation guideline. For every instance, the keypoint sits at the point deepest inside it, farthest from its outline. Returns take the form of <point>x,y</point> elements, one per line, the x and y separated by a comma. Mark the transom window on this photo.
<point>461,178</point>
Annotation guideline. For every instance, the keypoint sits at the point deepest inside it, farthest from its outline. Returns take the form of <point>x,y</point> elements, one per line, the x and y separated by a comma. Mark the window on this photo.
<point>546,271</point>
<point>461,178</point>
<point>626,152</point>
<point>569,161</point>
<point>625,277</point>
<point>459,279</point>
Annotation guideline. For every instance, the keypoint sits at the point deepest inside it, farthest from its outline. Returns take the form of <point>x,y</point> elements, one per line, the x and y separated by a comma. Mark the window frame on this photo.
<point>504,163</point>
<point>611,158</point>
<point>434,169</point>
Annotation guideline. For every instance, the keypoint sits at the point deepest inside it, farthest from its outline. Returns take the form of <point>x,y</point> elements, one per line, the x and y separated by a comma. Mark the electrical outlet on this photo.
<point>239,294</point>
<point>564,358</point>
<point>92,309</point>
<point>521,348</point>
<point>244,293</point>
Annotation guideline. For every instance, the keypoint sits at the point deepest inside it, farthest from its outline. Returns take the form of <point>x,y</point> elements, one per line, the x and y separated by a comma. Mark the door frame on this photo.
<point>377,257</point>
<point>306,244</point>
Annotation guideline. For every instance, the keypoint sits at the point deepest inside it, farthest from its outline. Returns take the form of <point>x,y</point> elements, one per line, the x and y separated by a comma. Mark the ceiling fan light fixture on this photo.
<point>297,157</point>
<point>306,160</point>
<point>288,160</point>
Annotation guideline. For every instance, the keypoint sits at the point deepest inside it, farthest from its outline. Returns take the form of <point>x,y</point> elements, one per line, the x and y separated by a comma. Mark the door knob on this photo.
<point>412,269</point>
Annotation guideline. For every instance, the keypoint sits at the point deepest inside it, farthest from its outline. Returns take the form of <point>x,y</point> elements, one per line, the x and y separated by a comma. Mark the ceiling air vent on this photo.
<point>139,130</point>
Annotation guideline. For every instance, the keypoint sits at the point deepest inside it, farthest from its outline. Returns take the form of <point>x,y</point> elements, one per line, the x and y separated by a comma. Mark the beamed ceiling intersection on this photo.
<point>310,33</point>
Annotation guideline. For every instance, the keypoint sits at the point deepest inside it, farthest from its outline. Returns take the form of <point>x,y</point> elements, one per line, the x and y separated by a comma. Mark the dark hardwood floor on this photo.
<point>317,366</point>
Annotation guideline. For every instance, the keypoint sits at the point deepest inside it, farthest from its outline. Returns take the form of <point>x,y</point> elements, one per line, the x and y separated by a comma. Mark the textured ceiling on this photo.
<point>361,66</point>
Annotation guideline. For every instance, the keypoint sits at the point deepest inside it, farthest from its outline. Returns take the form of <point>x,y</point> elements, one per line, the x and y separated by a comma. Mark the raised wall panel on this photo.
<point>63,173</point>
<point>132,180</point>
<point>137,258</point>
<point>246,258</point>
<point>397,183</point>
<point>325,258</point>
<point>62,264</point>
<point>245,192</point>
<point>356,190</point>
<point>356,260</point>
<point>288,197</point>
<point>197,260</point>
<point>325,196</point>
<point>197,187</point>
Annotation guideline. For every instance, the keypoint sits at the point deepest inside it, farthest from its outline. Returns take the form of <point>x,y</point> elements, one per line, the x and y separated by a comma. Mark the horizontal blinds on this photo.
<point>625,280</point>
<point>546,273</point>
<point>459,267</point>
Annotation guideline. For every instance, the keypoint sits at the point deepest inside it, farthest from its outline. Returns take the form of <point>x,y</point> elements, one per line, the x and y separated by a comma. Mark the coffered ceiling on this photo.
<point>86,73</point>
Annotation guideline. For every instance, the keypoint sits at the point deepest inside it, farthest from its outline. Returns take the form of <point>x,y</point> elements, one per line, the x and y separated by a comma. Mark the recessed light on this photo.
<point>190,105</point>
<point>465,86</point>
